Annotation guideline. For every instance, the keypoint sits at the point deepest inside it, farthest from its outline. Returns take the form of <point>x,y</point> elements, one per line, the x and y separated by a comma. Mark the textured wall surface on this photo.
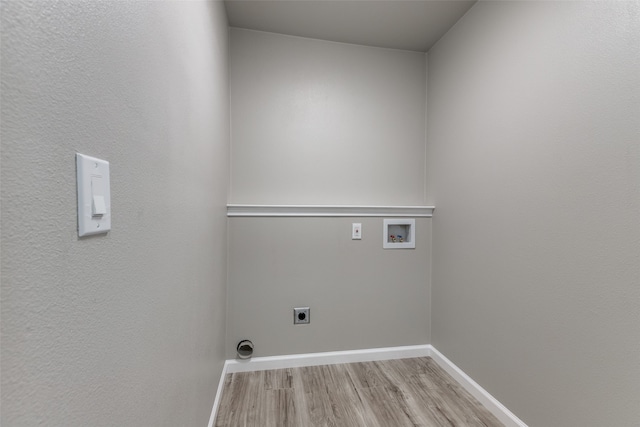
<point>126,328</point>
<point>316,122</point>
<point>361,296</point>
<point>534,133</point>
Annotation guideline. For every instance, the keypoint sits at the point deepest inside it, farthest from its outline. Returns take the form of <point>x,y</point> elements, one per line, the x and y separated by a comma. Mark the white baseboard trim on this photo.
<point>388,353</point>
<point>500,411</point>
<point>326,358</point>
<point>216,402</point>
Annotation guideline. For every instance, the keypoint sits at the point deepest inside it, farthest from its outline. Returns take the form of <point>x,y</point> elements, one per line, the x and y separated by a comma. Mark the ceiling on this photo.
<point>398,24</point>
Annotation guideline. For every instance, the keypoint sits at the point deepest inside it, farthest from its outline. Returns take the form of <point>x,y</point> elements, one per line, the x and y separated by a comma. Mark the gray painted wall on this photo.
<point>126,328</point>
<point>361,296</point>
<point>316,122</point>
<point>535,141</point>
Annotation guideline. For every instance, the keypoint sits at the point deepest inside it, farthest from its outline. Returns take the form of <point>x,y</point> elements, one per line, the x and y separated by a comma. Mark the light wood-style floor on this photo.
<point>394,393</point>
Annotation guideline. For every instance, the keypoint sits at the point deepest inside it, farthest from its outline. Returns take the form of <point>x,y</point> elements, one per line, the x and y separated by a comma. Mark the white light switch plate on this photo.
<point>94,195</point>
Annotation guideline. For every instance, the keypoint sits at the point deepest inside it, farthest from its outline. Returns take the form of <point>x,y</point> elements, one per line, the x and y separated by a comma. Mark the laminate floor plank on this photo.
<point>314,397</point>
<point>280,408</point>
<point>389,407</point>
<point>278,378</point>
<point>394,393</point>
<point>368,374</point>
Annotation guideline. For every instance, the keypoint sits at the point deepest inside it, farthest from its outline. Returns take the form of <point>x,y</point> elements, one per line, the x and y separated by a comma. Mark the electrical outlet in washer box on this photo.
<point>301,316</point>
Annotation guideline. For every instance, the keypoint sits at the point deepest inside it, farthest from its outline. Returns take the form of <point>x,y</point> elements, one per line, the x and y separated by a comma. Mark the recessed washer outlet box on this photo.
<point>301,316</point>
<point>399,233</point>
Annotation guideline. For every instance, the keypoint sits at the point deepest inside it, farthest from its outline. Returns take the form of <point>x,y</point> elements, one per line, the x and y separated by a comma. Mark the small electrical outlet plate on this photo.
<point>356,231</point>
<point>301,315</point>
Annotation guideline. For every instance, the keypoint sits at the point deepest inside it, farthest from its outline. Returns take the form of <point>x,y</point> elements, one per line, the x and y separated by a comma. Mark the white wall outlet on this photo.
<point>356,231</point>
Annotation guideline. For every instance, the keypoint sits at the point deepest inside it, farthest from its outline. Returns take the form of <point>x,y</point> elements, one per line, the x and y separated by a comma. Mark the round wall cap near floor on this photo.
<point>245,349</point>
